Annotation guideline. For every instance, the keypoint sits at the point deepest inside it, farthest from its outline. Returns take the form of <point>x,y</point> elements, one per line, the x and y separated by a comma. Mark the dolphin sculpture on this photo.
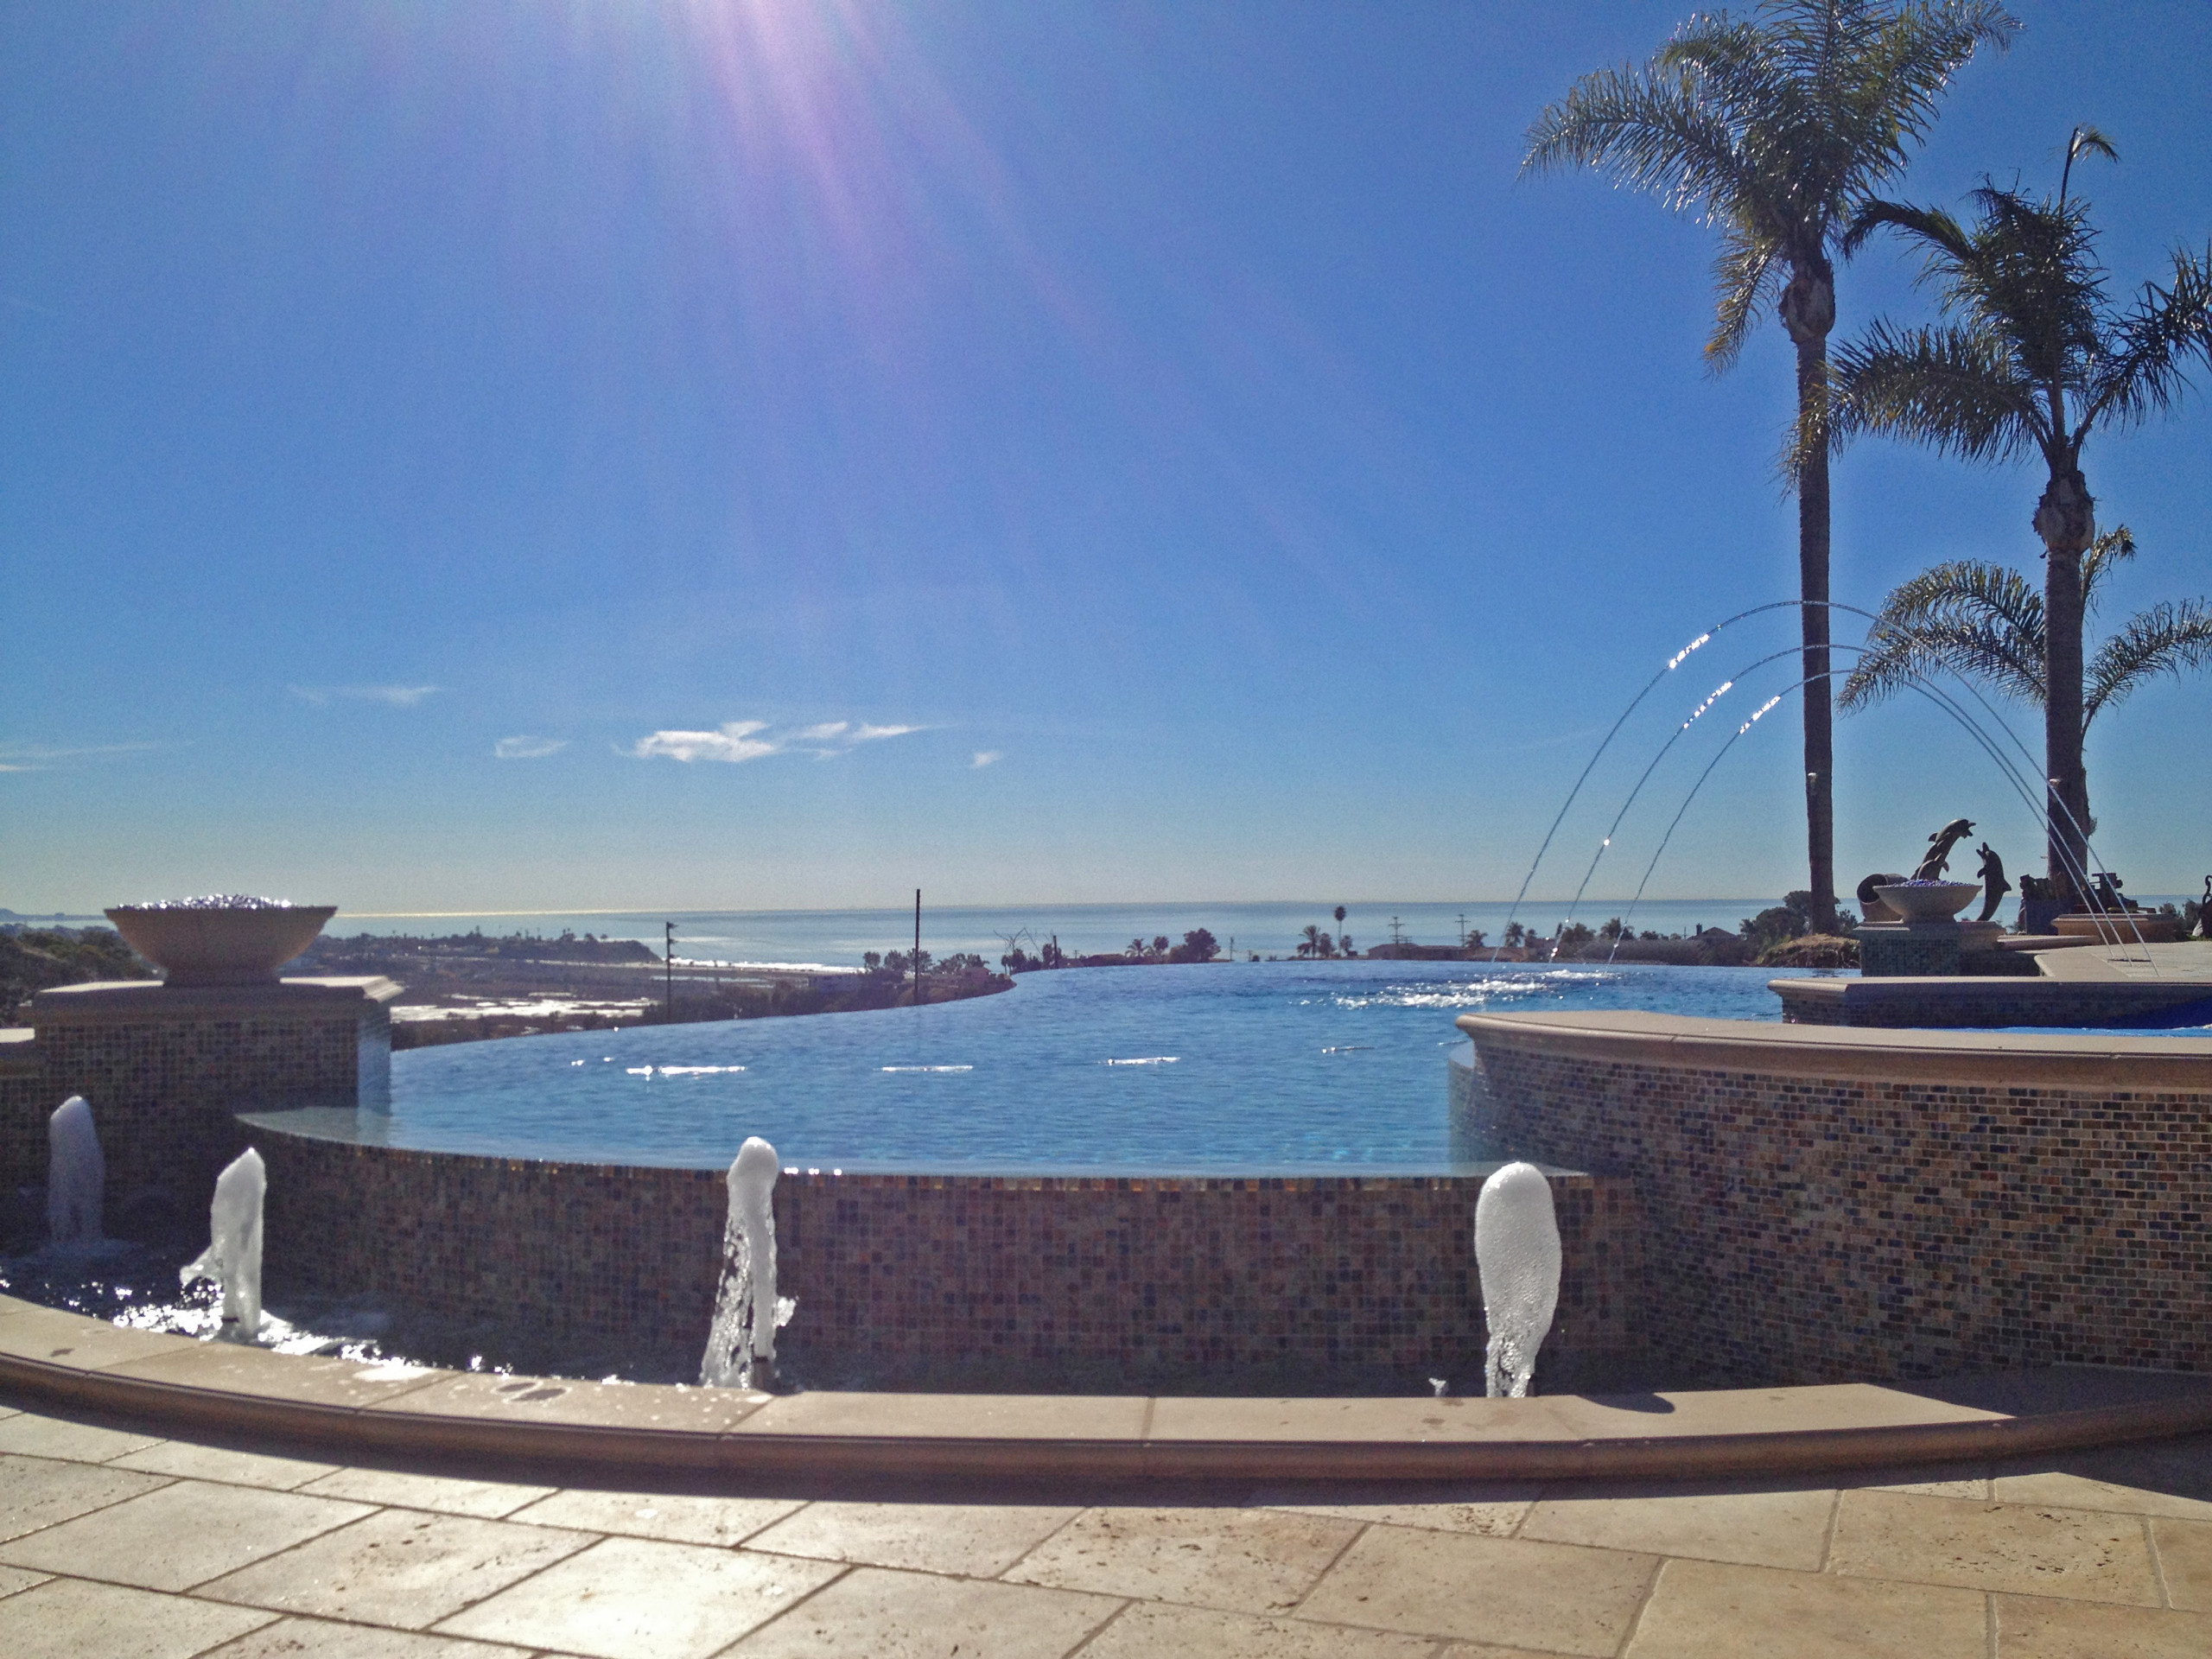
<point>1939,849</point>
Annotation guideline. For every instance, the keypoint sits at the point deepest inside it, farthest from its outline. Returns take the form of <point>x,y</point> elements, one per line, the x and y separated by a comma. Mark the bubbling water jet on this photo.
<point>1517,1257</point>
<point>741,1341</point>
<point>232,1258</point>
<point>76,1175</point>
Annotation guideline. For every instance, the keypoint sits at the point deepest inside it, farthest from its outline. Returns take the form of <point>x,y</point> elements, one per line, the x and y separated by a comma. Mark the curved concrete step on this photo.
<point>64,1359</point>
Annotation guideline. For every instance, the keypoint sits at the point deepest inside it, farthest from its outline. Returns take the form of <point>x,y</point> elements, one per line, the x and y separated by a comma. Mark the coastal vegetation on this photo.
<point>466,987</point>
<point>1778,129</point>
<point>1198,946</point>
<point>377,953</point>
<point>2031,355</point>
<point>33,958</point>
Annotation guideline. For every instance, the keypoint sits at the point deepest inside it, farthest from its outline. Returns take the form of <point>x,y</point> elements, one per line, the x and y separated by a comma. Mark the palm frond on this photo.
<point>1901,62</point>
<point>1943,237</point>
<point>1978,619</point>
<point>2084,141</point>
<point>2091,140</point>
<point>1649,131</point>
<point>2168,638</point>
<point>2115,546</point>
<point>2145,372</point>
<point>1775,127</point>
<point>2034,276</point>
<point>2025,270</point>
<point>1953,388</point>
<point>1746,276</point>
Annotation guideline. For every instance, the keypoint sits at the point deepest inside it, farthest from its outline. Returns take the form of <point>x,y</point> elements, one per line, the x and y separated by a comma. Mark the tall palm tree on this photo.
<point>1987,622</point>
<point>2032,357</point>
<point>1776,127</point>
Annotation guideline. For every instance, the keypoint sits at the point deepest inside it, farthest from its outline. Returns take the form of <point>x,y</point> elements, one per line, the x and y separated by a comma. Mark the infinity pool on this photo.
<point>1286,1067</point>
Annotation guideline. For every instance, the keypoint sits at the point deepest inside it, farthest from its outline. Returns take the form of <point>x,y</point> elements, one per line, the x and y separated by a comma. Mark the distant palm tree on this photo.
<point>1310,942</point>
<point>1777,130</point>
<point>1987,622</point>
<point>2030,358</point>
<point>1340,928</point>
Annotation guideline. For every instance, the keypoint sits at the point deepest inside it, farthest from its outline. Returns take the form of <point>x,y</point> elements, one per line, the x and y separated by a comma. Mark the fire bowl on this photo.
<point>1939,901</point>
<point>220,946</point>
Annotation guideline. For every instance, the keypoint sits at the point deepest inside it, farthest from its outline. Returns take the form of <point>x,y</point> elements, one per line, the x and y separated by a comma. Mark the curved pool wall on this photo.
<point>1827,1205</point>
<point>1110,1281</point>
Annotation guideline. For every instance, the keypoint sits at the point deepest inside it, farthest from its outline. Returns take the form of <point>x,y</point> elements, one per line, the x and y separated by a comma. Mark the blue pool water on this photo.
<point>1281,1067</point>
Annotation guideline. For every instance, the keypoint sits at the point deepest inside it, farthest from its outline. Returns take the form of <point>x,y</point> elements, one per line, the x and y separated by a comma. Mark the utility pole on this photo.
<point>1396,937</point>
<point>917,947</point>
<point>669,969</point>
<point>1463,930</point>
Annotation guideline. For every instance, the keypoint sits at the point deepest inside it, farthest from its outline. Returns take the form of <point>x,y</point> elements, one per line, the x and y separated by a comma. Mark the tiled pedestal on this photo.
<point>166,1069</point>
<point>1906,949</point>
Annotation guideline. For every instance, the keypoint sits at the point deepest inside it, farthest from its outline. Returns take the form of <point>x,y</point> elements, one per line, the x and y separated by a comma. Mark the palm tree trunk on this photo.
<point>2066,520</point>
<point>1812,589</point>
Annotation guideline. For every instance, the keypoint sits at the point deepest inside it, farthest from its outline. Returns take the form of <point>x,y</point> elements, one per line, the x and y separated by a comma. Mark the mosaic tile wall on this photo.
<point>1888,953</point>
<point>1859,1229</point>
<point>1136,1275</point>
<point>23,1110</point>
<point>164,1090</point>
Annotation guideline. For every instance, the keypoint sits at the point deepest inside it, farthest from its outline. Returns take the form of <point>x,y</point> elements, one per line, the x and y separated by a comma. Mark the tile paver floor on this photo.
<point>123,1544</point>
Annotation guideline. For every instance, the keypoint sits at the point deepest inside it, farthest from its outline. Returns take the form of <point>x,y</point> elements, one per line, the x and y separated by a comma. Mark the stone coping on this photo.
<point>113,1001</point>
<point>19,1055</point>
<point>1957,999</point>
<point>2065,1060</point>
<point>68,1360</point>
<point>345,1126</point>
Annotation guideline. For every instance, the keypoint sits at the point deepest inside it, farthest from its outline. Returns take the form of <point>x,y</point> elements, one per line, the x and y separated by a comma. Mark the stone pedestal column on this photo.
<point>1916,950</point>
<point>166,1068</point>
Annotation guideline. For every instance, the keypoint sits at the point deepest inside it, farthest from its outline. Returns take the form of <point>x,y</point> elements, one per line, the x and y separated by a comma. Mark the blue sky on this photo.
<point>755,454</point>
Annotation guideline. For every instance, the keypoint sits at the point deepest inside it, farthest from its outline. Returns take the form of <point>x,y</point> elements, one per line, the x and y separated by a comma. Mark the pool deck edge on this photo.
<point>66,1360</point>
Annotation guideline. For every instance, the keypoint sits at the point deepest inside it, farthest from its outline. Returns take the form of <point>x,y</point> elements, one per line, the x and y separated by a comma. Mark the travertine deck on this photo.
<point>132,1545</point>
<point>2189,961</point>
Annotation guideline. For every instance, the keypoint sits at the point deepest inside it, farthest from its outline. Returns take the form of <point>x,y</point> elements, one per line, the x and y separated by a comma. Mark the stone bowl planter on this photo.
<point>1938,902</point>
<point>230,945</point>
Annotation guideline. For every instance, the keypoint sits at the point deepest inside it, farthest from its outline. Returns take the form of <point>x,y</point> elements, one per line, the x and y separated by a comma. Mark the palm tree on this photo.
<point>2030,358</point>
<point>1309,943</point>
<point>1776,129</point>
<point>1987,622</point>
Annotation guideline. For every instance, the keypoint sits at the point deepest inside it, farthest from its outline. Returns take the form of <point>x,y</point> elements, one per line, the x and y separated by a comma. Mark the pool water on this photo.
<point>1290,1067</point>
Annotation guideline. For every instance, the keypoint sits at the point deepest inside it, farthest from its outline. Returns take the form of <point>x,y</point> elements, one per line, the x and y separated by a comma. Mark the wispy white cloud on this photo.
<point>987,758</point>
<point>750,740</point>
<point>734,743</point>
<point>528,748</point>
<point>394,696</point>
<point>40,757</point>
